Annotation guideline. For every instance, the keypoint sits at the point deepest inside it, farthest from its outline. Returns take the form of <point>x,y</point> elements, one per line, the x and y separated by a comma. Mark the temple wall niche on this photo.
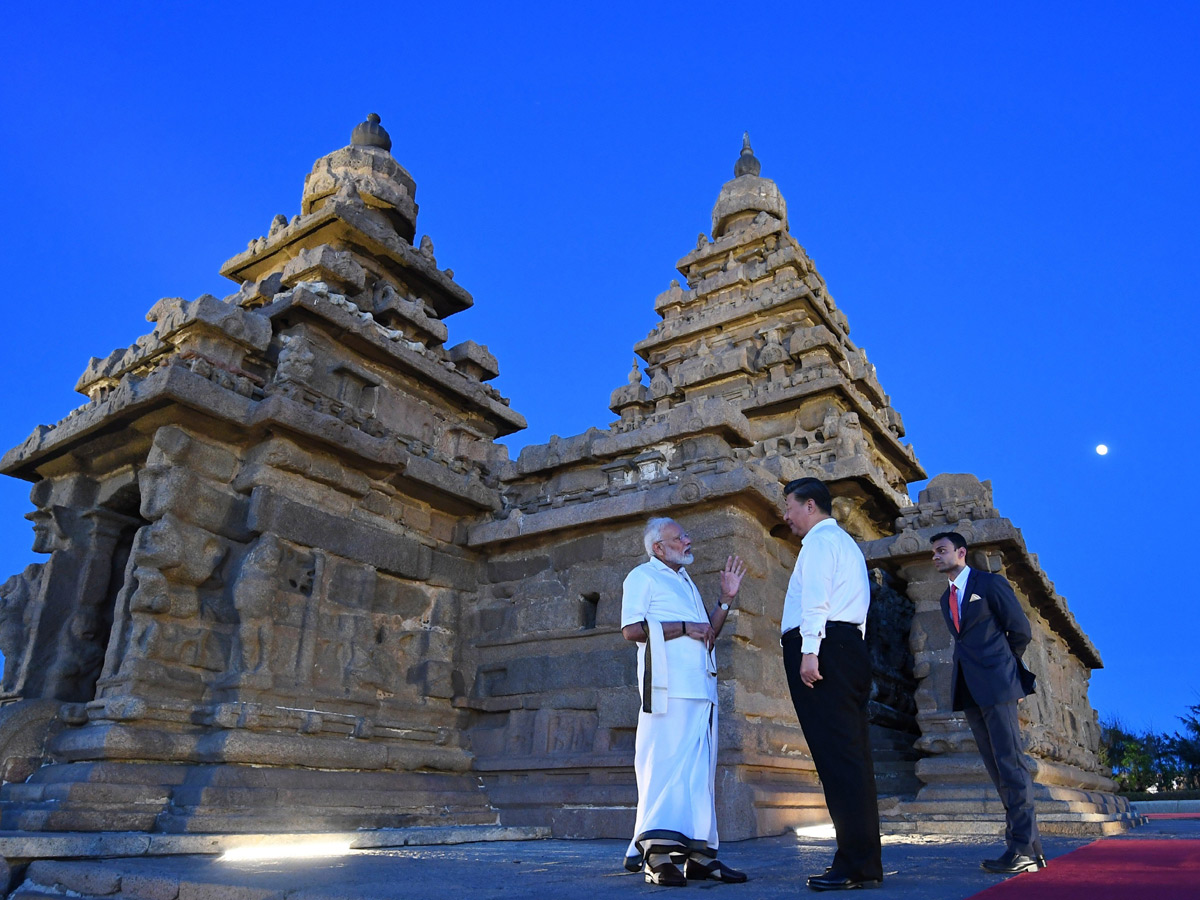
<point>57,615</point>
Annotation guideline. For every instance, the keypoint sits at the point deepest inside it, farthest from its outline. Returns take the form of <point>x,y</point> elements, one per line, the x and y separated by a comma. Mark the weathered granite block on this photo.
<point>394,553</point>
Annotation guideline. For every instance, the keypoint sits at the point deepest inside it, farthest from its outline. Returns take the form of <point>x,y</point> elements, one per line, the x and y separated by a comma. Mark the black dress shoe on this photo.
<point>694,870</point>
<point>666,874</point>
<point>831,881</point>
<point>1011,863</point>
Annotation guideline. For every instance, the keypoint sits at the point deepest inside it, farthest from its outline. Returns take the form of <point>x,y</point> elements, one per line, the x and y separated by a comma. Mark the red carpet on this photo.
<point>1111,870</point>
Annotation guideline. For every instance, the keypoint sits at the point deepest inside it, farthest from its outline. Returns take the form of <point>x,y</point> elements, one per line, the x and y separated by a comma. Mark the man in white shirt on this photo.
<point>675,756</point>
<point>829,676</point>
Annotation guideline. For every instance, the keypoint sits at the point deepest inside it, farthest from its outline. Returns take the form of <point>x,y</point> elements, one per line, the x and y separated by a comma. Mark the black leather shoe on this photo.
<point>831,881</point>
<point>694,870</point>
<point>1011,863</point>
<point>666,874</point>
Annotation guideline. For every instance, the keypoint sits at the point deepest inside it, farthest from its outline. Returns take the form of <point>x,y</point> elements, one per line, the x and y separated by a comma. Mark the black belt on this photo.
<point>836,626</point>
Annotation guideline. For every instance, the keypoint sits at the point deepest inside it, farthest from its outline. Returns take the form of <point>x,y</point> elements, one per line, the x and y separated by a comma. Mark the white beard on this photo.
<point>679,559</point>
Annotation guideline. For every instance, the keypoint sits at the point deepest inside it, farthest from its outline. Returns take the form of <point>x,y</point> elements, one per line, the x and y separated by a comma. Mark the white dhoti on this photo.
<point>675,760</point>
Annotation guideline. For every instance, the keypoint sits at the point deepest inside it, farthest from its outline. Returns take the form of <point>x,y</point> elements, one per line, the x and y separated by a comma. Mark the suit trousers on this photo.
<point>833,715</point>
<point>997,731</point>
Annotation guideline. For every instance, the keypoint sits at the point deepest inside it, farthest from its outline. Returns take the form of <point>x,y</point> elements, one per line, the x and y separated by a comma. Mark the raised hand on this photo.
<point>731,577</point>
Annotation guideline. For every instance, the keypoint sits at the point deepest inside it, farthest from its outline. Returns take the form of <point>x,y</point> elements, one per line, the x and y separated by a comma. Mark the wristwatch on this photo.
<point>725,606</point>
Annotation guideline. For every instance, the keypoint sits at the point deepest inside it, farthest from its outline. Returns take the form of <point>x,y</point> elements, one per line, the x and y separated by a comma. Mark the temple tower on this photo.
<point>753,381</point>
<point>255,532</point>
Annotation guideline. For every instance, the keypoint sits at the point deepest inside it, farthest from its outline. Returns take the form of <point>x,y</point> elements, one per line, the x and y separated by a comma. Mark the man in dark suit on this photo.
<point>990,632</point>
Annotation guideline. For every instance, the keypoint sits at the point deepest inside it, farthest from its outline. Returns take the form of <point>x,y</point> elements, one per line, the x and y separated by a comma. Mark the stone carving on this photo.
<point>253,595</point>
<point>17,596</point>
<point>295,360</point>
<point>426,248</point>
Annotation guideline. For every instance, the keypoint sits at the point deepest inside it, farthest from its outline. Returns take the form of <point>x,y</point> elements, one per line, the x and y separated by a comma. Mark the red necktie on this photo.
<point>954,606</point>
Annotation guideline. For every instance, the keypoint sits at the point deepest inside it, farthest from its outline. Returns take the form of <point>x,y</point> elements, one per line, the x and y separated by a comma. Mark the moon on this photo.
<point>1102,449</point>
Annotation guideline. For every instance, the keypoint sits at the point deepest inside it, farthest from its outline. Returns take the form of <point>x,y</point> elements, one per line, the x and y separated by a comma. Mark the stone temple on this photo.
<point>293,583</point>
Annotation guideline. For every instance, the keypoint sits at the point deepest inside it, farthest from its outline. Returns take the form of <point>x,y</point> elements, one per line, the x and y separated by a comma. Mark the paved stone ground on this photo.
<point>931,869</point>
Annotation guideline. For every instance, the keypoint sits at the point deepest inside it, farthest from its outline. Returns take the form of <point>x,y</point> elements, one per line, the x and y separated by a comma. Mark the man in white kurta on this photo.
<point>676,751</point>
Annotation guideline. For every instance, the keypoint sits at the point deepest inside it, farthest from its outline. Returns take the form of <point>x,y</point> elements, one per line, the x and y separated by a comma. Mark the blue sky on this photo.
<point>1002,201</point>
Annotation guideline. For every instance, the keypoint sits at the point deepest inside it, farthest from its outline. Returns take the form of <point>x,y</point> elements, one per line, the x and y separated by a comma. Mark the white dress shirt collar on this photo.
<point>681,572</point>
<point>827,522</point>
<point>961,582</point>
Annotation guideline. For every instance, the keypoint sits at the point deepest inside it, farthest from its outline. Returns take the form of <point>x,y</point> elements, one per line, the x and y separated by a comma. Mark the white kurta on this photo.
<point>675,756</point>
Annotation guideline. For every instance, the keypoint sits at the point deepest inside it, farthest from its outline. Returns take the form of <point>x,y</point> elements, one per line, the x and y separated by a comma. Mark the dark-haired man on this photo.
<point>829,677</point>
<point>990,632</point>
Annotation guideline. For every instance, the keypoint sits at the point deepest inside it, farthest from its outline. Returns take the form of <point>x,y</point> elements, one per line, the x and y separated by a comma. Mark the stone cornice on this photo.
<point>658,499</point>
<point>710,415</point>
<point>132,401</point>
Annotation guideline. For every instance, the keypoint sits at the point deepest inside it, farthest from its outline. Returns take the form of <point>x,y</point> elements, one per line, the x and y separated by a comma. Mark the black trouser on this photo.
<point>833,715</point>
<point>997,731</point>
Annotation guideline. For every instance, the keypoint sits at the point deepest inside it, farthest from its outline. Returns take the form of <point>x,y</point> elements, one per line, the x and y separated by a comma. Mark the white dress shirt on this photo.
<point>657,592</point>
<point>961,581</point>
<point>829,584</point>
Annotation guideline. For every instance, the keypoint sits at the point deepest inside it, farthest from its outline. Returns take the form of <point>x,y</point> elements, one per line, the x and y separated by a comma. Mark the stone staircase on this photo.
<point>976,810</point>
<point>236,799</point>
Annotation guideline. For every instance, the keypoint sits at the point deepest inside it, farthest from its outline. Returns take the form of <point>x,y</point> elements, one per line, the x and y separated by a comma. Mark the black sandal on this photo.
<point>695,870</point>
<point>666,874</point>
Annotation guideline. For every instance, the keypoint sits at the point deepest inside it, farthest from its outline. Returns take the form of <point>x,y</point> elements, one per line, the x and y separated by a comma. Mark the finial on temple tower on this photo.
<point>371,134</point>
<point>747,164</point>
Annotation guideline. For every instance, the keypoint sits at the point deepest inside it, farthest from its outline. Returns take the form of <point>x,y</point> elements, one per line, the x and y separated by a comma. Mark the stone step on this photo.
<point>118,773</point>
<point>18,847</point>
<point>918,807</point>
<point>87,793</point>
<point>148,774</point>
<point>251,821</point>
<point>100,880</point>
<point>100,819</point>
<point>602,794</point>
<point>85,879</point>
<point>225,797</point>
<point>136,797</point>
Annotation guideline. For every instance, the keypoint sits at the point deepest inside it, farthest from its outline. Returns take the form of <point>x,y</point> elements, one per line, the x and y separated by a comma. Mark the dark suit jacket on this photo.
<point>987,651</point>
